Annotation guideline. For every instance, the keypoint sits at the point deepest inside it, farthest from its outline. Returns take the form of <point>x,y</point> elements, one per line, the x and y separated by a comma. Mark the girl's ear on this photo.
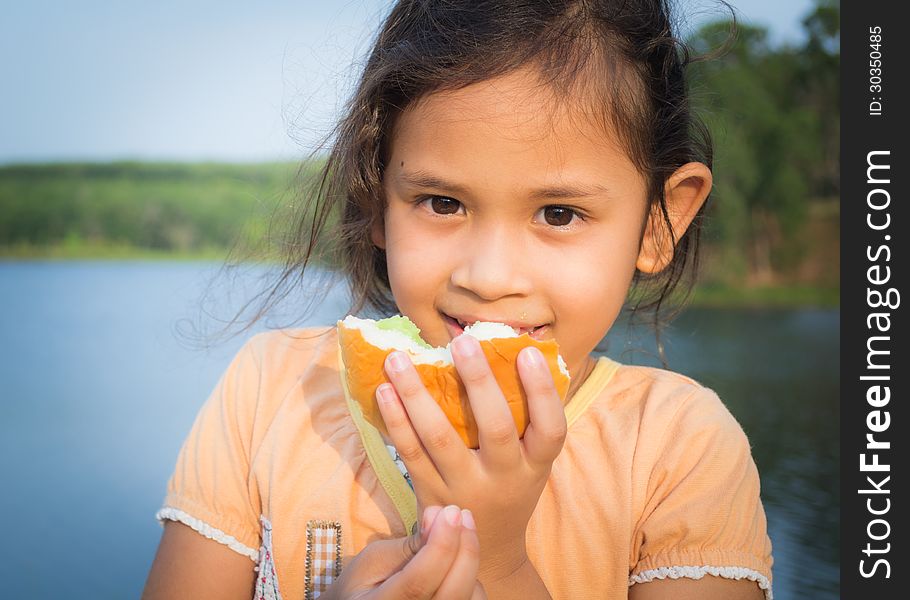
<point>685,191</point>
<point>377,234</point>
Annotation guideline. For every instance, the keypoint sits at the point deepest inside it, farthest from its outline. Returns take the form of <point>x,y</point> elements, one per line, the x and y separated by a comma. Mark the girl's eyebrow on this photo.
<point>425,179</point>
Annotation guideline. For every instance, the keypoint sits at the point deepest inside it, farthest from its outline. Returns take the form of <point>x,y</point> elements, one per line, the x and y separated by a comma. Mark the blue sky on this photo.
<point>203,79</point>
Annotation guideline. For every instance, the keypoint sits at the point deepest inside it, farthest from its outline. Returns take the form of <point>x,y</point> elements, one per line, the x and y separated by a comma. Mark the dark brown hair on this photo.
<point>625,51</point>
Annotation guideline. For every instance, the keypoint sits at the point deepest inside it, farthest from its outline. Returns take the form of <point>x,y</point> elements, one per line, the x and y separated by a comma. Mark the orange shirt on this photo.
<point>655,479</point>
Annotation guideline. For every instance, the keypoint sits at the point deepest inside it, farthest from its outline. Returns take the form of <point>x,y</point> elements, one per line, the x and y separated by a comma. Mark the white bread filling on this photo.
<point>396,340</point>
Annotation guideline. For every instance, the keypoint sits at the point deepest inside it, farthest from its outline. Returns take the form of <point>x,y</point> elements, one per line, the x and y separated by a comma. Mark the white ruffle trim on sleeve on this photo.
<point>693,572</point>
<point>172,514</point>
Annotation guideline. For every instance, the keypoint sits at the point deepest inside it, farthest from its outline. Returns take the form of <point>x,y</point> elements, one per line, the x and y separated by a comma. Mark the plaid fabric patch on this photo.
<point>267,579</point>
<point>323,556</point>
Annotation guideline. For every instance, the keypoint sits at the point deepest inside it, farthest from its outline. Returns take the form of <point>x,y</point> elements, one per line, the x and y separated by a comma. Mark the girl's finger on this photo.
<point>431,435</point>
<point>479,593</point>
<point>404,437</point>
<point>496,430</point>
<point>426,522</point>
<point>546,432</point>
<point>423,574</point>
<point>461,580</point>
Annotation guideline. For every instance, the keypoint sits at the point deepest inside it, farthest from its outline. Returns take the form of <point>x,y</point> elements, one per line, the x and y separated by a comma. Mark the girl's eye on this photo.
<point>554,216</point>
<point>559,216</point>
<point>442,205</point>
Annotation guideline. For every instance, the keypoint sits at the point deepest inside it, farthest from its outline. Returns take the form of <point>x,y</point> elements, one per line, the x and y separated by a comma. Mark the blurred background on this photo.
<point>147,149</point>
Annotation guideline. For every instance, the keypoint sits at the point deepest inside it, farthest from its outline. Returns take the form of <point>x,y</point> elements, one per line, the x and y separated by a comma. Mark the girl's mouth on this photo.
<point>457,327</point>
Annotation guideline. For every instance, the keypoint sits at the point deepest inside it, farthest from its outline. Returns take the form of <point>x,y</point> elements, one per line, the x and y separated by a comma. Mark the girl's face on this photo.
<point>504,204</point>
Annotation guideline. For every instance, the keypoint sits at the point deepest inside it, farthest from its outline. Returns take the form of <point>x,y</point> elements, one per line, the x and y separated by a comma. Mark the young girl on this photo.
<point>520,162</point>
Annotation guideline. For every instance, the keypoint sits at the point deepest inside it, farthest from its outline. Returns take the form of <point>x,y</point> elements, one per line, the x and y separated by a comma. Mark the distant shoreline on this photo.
<point>769,296</point>
<point>705,296</point>
<point>103,251</point>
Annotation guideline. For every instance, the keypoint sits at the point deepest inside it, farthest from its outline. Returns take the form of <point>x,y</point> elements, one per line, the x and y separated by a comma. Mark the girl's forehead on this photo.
<point>514,113</point>
<point>507,136</point>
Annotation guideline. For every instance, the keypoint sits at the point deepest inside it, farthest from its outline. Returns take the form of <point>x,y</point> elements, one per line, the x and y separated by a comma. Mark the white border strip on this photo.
<point>693,572</point>
<point>173,514</point>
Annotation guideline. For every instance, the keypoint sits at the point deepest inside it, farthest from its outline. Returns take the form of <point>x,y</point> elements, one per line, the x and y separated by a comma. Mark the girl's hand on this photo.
<point>439,561</point>
<point>500,482</point>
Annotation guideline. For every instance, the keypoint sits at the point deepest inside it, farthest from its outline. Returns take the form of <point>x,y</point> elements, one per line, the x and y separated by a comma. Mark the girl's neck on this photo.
<point>579,380</point>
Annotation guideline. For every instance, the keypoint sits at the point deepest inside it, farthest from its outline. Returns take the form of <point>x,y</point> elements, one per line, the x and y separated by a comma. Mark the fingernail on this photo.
<point>397,362</point>
<point>466,345</point>
<point>429,515</point>
<point>385,394</point>
<point>467,519</point>
<point>452,514</point>
<point>533,357</point>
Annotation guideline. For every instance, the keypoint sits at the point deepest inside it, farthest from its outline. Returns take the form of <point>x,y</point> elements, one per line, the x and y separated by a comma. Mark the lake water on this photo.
<point>99,389</point>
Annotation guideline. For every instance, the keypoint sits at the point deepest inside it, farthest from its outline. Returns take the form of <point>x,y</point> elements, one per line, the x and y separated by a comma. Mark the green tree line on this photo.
<point>774,114</point>
<point>171,208</point>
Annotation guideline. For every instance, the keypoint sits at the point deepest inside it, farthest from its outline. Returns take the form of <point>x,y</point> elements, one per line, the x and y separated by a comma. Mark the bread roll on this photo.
<point>365,344</point>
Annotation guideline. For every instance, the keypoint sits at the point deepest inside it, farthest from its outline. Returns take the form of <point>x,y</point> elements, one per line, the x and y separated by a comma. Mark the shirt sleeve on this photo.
<point>211,489</point>
<point>703,514</point>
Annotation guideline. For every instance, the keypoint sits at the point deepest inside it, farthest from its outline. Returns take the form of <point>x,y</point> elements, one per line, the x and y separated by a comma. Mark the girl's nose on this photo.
<point>493,265</point>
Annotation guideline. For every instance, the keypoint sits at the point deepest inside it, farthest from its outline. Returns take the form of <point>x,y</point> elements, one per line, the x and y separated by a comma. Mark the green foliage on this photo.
<point>180,208</point>
<point>774,115</point>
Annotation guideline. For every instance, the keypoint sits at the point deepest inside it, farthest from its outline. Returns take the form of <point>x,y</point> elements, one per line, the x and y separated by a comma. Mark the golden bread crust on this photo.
<point>363,369</point>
